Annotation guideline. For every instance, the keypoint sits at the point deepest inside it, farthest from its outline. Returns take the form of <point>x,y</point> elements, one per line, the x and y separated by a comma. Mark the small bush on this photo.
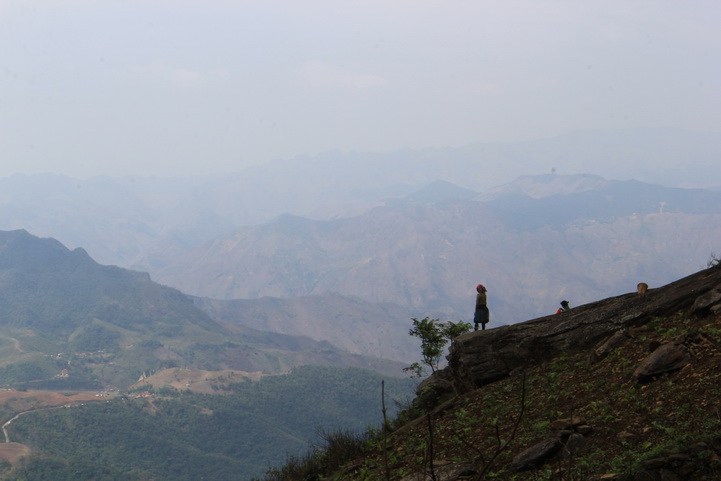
<point>340,447</point>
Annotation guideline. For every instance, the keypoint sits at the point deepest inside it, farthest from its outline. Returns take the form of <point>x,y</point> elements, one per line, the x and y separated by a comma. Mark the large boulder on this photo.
<point>537,454</point>
<point>706,301</point>
<point>667,358</point>
<point>445,472</point>
<point>606,346</point>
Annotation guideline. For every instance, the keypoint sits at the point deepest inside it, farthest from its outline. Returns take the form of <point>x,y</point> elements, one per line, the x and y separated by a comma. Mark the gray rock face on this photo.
<point>606,346</point>
<point>482,357</point>
<point>566,440</point>
<point>667,358</point>
<point>536,454</point>
<point>445,472</point>
<point>706,301</point>
<point>575,443</point>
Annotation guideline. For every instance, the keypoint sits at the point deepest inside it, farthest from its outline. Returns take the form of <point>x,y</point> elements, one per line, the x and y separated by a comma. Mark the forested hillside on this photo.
<point>69,323</point>
<point>181,436</point>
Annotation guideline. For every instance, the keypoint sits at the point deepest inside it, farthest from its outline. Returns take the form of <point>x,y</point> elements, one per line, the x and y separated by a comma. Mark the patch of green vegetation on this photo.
<point>38,468</point>
<point>185,436</point>
<point>20,372</point>
<point>96,338</point>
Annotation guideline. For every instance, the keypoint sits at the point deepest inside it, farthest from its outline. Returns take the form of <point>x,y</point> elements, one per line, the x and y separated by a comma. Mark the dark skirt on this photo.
<point>482,316</point>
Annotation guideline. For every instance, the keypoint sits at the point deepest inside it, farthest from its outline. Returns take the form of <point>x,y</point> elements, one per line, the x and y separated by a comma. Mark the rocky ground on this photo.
<point>646,408</point>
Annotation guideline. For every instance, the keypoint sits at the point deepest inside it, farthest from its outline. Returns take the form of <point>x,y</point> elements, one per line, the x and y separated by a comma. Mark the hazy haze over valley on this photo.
<point>353,165</point>
<point>355,277</point>
<point>217,219</point>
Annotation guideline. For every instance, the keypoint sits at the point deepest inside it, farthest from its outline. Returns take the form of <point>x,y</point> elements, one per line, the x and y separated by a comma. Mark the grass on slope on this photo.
<point>631,423</point>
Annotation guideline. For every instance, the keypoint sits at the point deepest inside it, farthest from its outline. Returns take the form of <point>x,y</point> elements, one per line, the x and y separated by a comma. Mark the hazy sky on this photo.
<point>173,87</point>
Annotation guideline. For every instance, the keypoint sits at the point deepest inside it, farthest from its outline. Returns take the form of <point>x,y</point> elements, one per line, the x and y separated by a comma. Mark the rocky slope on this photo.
<point>479,358</point>
<point>626,389</point>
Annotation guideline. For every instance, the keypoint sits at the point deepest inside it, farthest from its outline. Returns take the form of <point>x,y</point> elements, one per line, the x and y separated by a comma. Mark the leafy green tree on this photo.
<point>434,336</point>
<point>451,330</point>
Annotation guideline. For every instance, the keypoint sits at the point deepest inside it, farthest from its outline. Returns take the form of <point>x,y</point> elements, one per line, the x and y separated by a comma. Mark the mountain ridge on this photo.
<point>429,257</point>
<point>140,223</point>
<point>69,321</point>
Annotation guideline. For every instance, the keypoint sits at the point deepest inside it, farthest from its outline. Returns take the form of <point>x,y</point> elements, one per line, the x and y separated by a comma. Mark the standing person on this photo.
<point>564,307</point>
<point>481,316</point>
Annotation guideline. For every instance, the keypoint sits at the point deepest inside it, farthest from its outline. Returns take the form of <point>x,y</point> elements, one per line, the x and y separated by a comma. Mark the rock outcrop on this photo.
<point>567,437</point>
<point>667,358</point>
<point>482,357</point>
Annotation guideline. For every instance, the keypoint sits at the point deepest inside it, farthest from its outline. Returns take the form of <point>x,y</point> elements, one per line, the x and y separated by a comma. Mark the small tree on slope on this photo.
<point>434,336</point>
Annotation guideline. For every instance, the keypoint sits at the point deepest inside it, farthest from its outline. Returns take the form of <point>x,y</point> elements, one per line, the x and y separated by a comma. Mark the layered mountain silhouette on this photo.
<point>69,322</point>
<point>426,255</point>
<point>142,223</point>
<point>408,233</point>
<point>348,322</point>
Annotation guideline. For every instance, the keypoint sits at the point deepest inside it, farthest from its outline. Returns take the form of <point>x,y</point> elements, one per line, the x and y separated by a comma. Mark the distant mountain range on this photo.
<point>598,240</point>
<point>70,323</point>
<point>347,247</point>
<point>144,223</point>
<point>348,322</point>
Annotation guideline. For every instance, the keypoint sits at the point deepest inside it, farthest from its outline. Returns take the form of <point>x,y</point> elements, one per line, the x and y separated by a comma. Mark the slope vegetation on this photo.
<point>637,400</point>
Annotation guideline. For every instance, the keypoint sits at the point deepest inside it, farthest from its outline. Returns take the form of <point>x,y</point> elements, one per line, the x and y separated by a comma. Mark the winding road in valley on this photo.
<point>24,402</point>
<point>8,422</point>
